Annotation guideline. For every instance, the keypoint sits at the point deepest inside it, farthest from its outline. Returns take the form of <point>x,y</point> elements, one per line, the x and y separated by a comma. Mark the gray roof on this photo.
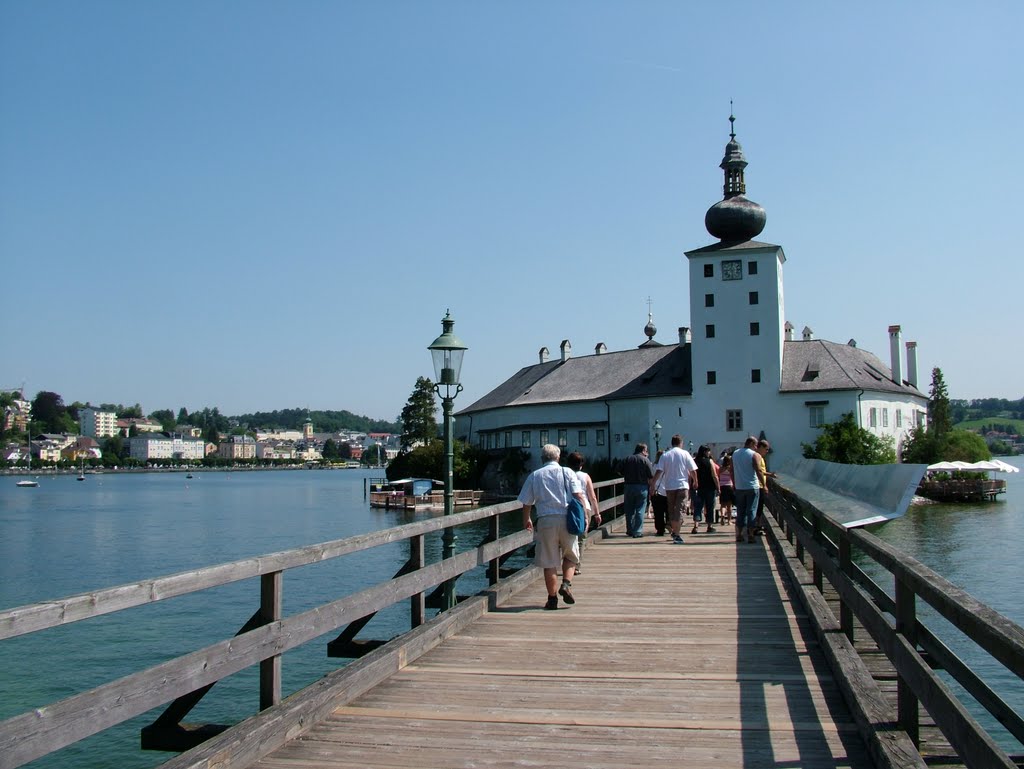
<point>816,365</point>
<point>732,246</point>
<point>641,373</point>
<point>647,372</point>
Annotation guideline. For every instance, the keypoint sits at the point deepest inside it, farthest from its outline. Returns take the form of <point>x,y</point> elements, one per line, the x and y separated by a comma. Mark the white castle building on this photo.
<point>739,372</point>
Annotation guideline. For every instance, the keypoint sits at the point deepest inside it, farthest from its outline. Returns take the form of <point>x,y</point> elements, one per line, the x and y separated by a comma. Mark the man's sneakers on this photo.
<point>552,602</point>
<point>677,540</point>
<point>566,592</point>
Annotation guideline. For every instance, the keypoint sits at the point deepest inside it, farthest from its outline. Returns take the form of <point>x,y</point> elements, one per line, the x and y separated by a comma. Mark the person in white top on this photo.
<point>549,489</point>
<point>679,471</point>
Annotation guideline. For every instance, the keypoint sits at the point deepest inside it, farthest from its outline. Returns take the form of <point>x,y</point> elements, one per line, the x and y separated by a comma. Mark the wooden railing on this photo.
<point>263,640</point>
<point>911,647</point>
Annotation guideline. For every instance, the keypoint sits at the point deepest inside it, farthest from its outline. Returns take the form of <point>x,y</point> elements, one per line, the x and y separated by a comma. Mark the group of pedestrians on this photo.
<point>738,481</point>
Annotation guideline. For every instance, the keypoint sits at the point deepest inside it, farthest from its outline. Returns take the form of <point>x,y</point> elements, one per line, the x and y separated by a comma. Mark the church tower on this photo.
<point>736,311</point>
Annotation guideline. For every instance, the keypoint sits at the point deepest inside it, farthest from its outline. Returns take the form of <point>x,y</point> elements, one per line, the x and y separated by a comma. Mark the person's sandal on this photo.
<point>552,602</point>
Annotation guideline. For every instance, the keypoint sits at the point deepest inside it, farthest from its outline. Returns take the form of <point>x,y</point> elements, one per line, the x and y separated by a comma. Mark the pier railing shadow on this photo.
<point>819,554</point>
<point>268,634</point>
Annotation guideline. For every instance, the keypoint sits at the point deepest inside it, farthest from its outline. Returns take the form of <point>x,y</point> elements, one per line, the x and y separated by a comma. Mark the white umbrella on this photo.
<point>1005,467</point>
<point>943,466</point>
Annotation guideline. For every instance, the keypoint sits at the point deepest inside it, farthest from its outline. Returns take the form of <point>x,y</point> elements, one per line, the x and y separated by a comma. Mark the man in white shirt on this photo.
<point>679,471</point>
<point>549,489</point>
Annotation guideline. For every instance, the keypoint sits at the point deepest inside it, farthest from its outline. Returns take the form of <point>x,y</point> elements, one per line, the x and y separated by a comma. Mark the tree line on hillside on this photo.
<point>323,421</point>
<point>985,408</point>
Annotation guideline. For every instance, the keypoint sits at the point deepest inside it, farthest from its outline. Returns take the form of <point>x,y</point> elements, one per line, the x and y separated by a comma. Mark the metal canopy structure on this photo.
<point>853,495</point>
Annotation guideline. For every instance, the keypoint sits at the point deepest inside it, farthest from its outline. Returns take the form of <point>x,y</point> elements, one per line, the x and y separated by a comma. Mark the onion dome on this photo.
<point>650,330</point>
<point>734,218</point>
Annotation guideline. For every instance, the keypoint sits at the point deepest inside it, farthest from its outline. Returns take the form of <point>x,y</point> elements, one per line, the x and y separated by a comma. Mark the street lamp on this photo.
<point>657,437</point>
<point>447,351</point>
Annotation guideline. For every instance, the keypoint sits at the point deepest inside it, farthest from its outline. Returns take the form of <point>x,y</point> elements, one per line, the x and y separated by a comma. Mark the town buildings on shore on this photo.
<point>146,442</point>
<point>737,369</point>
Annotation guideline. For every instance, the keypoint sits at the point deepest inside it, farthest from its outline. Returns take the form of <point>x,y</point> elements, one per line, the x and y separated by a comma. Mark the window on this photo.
<point>751,268</point>
<point>599,437</point>
<point>490,440</point>
<point>817,415</point>
<point>755,329</point>
<point>755,375</point>
<point>873,417</point>
<point>753,297</point>
<point>525,439</point>
<point>543,437</point>
<point>734,420</point>
<point>618,438</point>
<point>899,418</point>
<point>709,300</point>
<point>709,331</point>
<point>482,440</point>
<point>712,377</point>
<point>709,270</point>
<point>885,417</point>
<point>581,438</point>
<point>563,438</point>
<point>508,439</point>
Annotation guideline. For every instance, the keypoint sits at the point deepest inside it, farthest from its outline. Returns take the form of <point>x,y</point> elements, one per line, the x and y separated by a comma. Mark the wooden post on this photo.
<point>845,566</point>
<point>271,595</point>
<point>417,602</point>
<point>494,565</point>
<point>816,567</point>
<point>906,625</point>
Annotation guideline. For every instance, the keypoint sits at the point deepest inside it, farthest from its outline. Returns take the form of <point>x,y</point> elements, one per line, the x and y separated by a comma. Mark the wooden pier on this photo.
<point>711,654</point>
<point>690,656</point>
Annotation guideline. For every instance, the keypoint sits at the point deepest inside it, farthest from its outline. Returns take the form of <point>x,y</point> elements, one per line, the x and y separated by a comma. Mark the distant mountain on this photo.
<point>323,421</point>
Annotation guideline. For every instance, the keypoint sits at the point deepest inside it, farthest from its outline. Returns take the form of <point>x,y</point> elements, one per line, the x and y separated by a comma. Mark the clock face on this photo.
<point>732,270</point>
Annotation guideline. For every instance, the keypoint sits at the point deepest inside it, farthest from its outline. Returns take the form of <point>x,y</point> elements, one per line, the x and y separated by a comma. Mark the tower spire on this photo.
<point>734,218</point>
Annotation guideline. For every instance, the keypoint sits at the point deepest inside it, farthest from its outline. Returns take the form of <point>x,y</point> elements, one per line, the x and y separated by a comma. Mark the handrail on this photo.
<point>912,648</point>
<point>262,641</point>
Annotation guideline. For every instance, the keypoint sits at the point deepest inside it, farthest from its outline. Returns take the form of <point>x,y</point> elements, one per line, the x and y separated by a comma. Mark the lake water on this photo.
<point>67,537</point>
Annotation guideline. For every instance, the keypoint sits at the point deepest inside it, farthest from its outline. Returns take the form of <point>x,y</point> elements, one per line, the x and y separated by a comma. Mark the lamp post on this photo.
<point>447,351</point>
<point>657,437</point>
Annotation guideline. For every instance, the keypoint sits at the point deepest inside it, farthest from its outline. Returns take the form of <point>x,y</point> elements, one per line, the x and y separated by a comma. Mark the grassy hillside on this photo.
<point>985,422</point>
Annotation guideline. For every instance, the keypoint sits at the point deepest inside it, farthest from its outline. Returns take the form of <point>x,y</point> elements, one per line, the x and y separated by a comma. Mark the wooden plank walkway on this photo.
<point>690,656</point>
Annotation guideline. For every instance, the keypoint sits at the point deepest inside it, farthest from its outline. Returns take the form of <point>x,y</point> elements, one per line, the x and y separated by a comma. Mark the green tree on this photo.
<point>920,447</point>
<point>845,442</point>
<point>182,418</point>
<point>331,449</point>
<point>166,419</point>
<point>940,418</point>
<point>428,462</point>
<point>419,422</point>
<point>965,446</point>
<point>50,415</point>
<point>114,450</point>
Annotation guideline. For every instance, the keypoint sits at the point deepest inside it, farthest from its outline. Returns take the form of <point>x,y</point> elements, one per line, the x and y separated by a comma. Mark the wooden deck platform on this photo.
<point>673,656</point>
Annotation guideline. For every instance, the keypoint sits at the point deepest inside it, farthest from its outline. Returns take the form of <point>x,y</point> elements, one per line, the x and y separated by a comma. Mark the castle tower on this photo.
<point>736,308</point>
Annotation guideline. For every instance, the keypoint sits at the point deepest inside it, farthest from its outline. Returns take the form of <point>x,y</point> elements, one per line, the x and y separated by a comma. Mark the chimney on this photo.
<point>808,334</point>
<point>566,347</point>
<point>544,354</point>
<point>789,331</point>
<point>912,363</point>
<point>684,335</point>
<point>895,352</point>
<point>601,348</point>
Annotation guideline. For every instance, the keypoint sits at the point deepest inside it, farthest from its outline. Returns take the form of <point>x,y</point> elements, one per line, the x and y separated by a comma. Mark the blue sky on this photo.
<point>262,205</point>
